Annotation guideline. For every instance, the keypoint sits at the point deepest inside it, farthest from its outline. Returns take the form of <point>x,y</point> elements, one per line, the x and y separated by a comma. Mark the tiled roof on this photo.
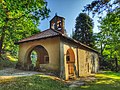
<point>51,33</point>
<point>73,40</point>
<point>45,34</point>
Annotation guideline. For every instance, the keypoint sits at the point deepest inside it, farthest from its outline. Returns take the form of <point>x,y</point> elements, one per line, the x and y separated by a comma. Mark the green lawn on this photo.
<point>106,81</point>
<point>35,82</point>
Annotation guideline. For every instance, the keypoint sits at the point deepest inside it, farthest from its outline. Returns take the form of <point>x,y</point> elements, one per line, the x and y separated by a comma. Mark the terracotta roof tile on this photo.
<point>43,34</point>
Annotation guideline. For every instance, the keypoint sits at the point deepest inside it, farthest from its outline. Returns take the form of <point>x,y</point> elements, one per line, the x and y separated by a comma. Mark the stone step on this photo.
<point>71,76</point>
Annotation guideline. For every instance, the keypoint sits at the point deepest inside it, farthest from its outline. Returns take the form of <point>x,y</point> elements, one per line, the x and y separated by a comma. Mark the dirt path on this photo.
<point>16,72</point>
<point>11,72</point>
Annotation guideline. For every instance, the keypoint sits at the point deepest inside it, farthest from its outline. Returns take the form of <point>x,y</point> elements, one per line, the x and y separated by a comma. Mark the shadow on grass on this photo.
<point>106,81</point>
<point>112,73</point>
<point>33,83</point>
<point>103,84</point>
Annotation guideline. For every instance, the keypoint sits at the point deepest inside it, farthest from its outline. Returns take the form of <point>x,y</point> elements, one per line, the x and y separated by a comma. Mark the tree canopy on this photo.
<point>107,40</point>
<point>109,36</point>
<point>19,19</point>
<point>84,29</point>
<point>99,6</point>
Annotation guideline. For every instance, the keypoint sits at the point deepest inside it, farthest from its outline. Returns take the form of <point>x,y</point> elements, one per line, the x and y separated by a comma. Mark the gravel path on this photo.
<point>11,73</point>
<point>16,72</point>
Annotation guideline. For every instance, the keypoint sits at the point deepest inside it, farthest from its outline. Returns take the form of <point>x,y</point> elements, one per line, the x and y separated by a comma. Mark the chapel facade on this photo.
<point>58,53</point>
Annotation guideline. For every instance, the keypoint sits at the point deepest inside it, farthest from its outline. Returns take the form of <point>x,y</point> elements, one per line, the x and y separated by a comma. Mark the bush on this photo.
<point>7,61</point>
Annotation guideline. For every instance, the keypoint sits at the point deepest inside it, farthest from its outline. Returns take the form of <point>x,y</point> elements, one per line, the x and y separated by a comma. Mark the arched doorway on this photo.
<point>35,56</point>
<point>70,60</point>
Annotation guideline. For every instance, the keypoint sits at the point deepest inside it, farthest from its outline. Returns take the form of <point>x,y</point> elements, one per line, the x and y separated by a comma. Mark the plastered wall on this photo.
<point>83,60</point>
<point>66,47</point>
<point>88,62</point>
<point>51,45</point>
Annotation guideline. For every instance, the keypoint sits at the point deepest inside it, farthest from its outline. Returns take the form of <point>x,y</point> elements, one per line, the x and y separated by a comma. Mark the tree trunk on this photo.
<point>116,64</point>
<point>1,40</point>
<point>0,48</point>
<point>3,31</point>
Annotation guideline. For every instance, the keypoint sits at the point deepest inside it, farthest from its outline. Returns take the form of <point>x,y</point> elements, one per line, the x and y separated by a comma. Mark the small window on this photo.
<point>46,59</point>
<point>68,58</point>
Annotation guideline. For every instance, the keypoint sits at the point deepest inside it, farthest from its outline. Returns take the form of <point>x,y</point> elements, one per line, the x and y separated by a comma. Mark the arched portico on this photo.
<point>42,57</point>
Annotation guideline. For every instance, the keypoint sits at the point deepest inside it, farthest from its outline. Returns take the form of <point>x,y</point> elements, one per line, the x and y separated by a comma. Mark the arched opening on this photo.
<point>33,58</point>
<point>37,55</point>
<point>70,60</point>
<point>70,56</point>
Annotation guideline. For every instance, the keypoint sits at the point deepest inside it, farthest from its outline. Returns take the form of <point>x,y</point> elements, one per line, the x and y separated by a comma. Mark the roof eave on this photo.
<point>77,42</point>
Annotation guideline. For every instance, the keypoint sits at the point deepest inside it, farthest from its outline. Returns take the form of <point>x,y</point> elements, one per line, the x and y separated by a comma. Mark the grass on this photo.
<point>106,81</point>
<point>32,83</point>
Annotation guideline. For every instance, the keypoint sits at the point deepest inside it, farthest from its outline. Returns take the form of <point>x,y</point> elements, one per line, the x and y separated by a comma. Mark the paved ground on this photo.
<point>80,81</point>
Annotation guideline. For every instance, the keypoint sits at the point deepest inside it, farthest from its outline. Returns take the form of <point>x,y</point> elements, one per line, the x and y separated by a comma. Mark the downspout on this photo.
<point>61,49</point>
<point>77,63</point>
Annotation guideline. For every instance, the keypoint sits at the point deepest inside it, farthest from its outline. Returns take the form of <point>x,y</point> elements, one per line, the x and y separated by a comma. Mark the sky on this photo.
<point>69,9</point>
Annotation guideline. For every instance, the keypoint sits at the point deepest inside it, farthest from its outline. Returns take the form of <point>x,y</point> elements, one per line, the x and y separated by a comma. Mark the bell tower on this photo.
<point>57,23</point>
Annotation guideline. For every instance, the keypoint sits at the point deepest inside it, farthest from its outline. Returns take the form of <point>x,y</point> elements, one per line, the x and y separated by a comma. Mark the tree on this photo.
<point>22,28</point>
<point>83,29</point>
<point>14,11</point>
<point>99,6</point>
<point>110,37</point>
<point>107,38</point>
